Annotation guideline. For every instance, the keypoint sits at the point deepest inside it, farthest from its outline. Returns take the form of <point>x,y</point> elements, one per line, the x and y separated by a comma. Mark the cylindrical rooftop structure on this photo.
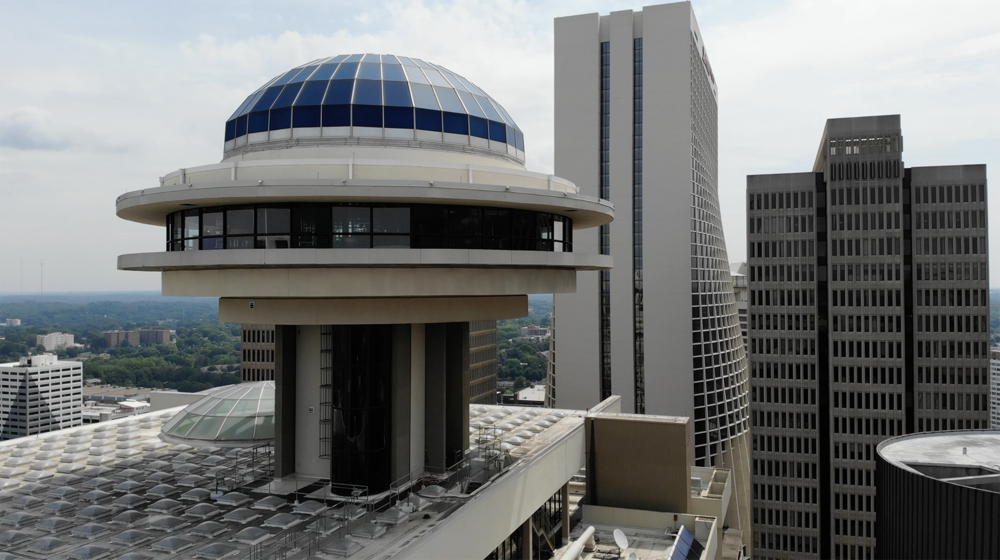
<point>369,206</point>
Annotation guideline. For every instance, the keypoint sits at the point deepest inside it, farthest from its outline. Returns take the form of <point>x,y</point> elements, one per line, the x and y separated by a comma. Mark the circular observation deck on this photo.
<point>367,176</point>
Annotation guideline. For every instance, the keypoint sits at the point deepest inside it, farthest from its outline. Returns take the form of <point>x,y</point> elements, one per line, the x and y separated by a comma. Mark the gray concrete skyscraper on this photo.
<point>636,123</point>
<point>869,318</point>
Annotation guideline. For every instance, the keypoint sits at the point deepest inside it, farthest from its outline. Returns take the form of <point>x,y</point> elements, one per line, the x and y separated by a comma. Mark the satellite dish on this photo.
<point>620,539</point>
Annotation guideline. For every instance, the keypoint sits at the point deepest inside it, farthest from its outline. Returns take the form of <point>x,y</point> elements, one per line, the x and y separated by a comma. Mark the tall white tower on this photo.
<point>637,123</point>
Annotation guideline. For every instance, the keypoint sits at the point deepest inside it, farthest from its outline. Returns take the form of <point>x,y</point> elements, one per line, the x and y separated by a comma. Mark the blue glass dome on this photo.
<point>393,93</point>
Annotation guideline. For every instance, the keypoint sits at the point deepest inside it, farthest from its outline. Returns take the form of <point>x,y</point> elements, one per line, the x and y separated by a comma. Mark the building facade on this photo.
<point>636,123</point>
<point>868,319</point>
<point>742,294</point>
<point>995,388</point>
<point>54,341</point>
<point>257,351</point>
<point>483,362</point>
<point>39,394</point>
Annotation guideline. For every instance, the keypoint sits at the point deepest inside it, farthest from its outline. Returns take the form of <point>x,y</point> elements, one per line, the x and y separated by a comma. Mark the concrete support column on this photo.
<point>400,446</point>
<point>565,513</point>
<point>284,399</point>
<point>435,411</point>
<point>456,391</point>
<point>527,533</point>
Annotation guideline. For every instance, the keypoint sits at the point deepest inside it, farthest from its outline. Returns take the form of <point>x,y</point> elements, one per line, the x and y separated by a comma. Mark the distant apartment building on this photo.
<point>869,319</point>
<point>12,323</point>
<point>257,350</point>
<point>738,271</point>
<point>54,341</point>
<point>39,394</point>
<point>995,388</point>
<point>534,331</point>
<point>483,362</point>
<point>116,338</point>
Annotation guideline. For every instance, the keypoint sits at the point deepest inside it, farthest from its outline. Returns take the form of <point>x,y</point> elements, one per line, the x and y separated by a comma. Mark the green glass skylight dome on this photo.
<point>238,416</point>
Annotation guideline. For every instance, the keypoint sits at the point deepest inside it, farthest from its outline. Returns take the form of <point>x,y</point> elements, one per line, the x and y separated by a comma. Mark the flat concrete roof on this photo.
<point>978,448</point>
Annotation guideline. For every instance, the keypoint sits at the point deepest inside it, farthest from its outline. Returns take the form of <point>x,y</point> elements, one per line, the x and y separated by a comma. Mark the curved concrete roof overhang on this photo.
<point>151,206</point>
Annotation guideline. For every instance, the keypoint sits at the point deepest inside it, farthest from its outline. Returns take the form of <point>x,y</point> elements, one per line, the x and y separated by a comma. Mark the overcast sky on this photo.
<point>99,98</point>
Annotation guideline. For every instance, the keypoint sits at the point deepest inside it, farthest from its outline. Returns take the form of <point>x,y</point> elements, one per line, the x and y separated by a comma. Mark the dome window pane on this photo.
<point>243,105</point>
<point>256,96</point>
<point>370,71</point>
<point>336,115</point>
<point>368,92</point>
<point>428,120</point>
<point>393,72</point>
<point>353,58</point>
<point>455,82</point>
<point>266,100</point>
<point>323,73</point>
<point>519,136</point>
<point>471,106</point>
<point>241,126</point>
<point>367,115</point>
<point>491,113</point>
<point>338,59</point>
<point>306,117</point>
<point>397,94</point>
<point>258,121</point>
<point>449,100</point>
<point>398,117</point>
<point>340,93</point>
<point>436,78</point>
<point>455,123</point>
<point>478,127</point>
<point>287,96</point>
<point>414,75</point>
<point>423,97</point>
<point>498,132</point>
<point>280,119</point>
<point>288,76</point>
<point>389,59</point>
<point>230,130</point>
<point>510,136</point>
<point>346,71</point>
<point>312,94</point>
<point>303,75</point>
<point>371,58</point>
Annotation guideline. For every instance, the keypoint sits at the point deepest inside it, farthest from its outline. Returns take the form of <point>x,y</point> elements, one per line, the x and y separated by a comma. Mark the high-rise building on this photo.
<point>257,352</point>
<point>740,291</point>
<point>636,123</point>
<point>483,362</point>
<point>371,207</point>
<point>40,394</point>
<point>995,388</point>
<point>869,318</point>
<point>54,341</point>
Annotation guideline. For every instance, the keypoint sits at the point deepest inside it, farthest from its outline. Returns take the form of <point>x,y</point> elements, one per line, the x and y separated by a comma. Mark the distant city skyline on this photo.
<point>102,102</point>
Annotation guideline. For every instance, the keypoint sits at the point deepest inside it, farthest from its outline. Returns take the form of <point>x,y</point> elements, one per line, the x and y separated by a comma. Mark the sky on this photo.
<point>98,98</point>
